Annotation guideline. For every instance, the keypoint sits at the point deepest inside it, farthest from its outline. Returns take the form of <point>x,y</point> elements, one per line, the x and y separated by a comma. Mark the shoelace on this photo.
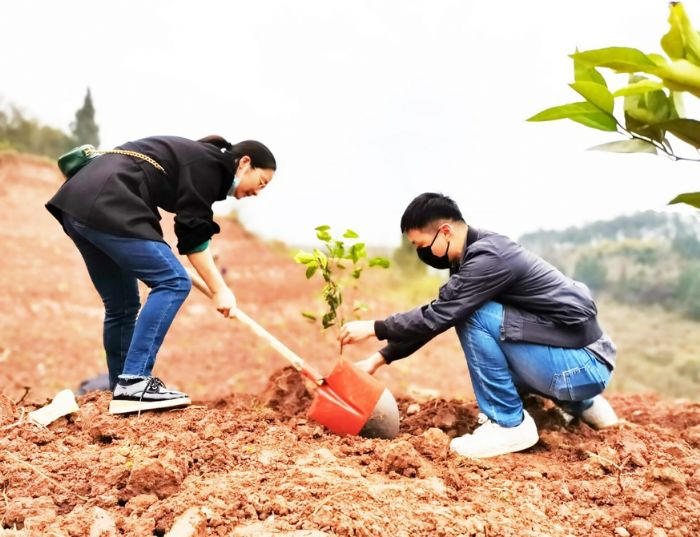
<point>154,384</point>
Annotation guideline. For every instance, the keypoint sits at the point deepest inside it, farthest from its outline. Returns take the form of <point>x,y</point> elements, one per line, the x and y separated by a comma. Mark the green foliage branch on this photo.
<point>652,105</point>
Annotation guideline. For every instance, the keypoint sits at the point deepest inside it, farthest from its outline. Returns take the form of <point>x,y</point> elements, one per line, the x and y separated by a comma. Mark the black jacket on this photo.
<point>541,304</point>
<point>121,195</point>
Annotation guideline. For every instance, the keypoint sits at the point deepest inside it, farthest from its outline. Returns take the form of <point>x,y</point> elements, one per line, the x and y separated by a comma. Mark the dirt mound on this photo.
<point>238,467</point>
<point>287,393</point>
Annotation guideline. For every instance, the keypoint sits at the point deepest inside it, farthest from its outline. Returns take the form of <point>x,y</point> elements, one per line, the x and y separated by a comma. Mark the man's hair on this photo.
<point>428,208</point>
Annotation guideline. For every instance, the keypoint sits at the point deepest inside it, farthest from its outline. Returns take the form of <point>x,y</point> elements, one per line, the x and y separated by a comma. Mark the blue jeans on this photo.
<point>115,264</point>
<point>501,370</point>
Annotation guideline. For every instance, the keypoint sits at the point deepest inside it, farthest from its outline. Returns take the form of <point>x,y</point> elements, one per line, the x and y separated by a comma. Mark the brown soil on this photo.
<point>247,469</point>
<point>235,464</point>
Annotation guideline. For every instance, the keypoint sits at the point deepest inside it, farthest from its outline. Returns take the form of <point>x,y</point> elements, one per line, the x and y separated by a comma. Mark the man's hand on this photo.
<point>225,302</point>
<point>355,331</point>
<point>371,364</point>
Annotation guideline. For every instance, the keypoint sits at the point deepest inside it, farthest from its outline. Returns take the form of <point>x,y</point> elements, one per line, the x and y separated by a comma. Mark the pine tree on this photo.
<point>84,128</point>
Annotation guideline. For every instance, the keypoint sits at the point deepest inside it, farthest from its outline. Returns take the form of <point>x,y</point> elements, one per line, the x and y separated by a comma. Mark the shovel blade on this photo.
<point>384,421</point>
<point>353,402</point>
<point>333,412</point>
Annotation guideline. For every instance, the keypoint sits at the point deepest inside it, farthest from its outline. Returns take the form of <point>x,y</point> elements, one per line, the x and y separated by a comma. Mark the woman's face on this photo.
<point>253,180</point>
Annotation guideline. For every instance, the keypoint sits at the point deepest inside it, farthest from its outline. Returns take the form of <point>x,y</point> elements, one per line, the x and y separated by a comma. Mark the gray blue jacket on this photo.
<point>541,305</point>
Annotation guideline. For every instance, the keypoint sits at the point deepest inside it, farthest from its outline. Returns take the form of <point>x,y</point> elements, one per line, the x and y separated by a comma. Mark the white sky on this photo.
<point>365,104</point>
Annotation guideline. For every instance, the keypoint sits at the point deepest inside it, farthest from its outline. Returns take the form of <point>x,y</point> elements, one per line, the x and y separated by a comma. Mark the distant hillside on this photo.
<point>646,225</point>
<point>645,258</point>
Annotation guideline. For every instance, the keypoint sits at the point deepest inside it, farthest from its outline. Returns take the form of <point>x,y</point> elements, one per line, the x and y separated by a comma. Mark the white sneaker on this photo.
<point>600,415</point>
<point>490,439</point>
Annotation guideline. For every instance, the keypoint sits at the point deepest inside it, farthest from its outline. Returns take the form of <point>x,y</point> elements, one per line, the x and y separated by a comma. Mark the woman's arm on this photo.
<point>203,263</point>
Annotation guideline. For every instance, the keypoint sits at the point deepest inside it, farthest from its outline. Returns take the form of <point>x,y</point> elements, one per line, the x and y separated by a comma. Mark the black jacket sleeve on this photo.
<point>395,350</point>
<point>479,279</point>
<point>197,189</point>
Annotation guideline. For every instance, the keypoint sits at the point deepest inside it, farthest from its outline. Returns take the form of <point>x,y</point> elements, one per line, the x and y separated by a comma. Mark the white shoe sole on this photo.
<point>120,406</point>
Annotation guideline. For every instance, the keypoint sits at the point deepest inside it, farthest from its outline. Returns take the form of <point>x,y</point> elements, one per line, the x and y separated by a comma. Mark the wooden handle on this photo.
<point>299,364</point>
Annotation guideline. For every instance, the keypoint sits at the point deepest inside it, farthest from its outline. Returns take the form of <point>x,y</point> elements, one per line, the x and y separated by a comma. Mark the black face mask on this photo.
<point>426,255</point>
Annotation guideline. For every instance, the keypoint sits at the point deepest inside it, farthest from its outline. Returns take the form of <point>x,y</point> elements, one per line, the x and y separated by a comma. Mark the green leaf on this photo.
<point>322,228</point>
<point>357,272</point>
<point>681,75</point>
<point>595,94</point>
<point>672,41</point>
<point>677,105</point>
<point>586,73</point>
<point>564,111</point>
<point>584,113</point>
<point>323,236</point>
<point>658,59</point>
<point>304,258</point>
<point>310,271</point>
<point>687,130</point>
<point>637,88</point>
<point>645,110</point>
<point>689,198</point>
<point>681,42</point>
<point>321,258</point>
<point>357,252</point>
<point>338,250</point>
<point>620,59</point>
<point>309,315</point>
<point>597,120</point>
<point>328,319</point>
<point>350,234</point>
<point>626,146</point>
<point>379,262</point>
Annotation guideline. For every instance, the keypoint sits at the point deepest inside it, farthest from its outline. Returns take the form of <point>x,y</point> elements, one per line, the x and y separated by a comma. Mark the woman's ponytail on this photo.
<point>218,141</point>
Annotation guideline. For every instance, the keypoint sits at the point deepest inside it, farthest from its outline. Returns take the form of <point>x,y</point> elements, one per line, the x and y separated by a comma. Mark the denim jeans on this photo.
<point>500,370</point>
<point>115,264</point>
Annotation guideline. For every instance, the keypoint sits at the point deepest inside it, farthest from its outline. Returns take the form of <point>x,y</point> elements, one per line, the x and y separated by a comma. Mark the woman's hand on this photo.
<point>355,331</point>
<point>371,364</point>
<point>225,302</point>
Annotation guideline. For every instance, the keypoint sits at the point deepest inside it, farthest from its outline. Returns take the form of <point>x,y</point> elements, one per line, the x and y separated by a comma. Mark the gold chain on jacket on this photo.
<point>148,159</point>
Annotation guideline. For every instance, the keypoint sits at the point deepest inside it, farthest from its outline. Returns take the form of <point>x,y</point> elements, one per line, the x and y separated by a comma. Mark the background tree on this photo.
<point>591,271</point>
<point>652,107</point>
<point>84,128</point>
<point>21,133</point>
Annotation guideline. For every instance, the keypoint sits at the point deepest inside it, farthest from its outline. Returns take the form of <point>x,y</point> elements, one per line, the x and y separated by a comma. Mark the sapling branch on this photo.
<point>340,265</point>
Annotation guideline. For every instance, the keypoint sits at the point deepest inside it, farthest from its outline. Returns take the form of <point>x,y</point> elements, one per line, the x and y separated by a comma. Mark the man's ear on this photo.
<point>446,228</point>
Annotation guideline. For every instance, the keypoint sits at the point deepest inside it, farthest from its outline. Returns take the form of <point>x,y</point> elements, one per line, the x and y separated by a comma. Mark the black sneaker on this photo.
<point>139,394</point>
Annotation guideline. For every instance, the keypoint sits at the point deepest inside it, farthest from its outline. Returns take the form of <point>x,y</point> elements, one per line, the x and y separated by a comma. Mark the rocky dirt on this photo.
<point>237,464</point>
<point>236,467</point>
